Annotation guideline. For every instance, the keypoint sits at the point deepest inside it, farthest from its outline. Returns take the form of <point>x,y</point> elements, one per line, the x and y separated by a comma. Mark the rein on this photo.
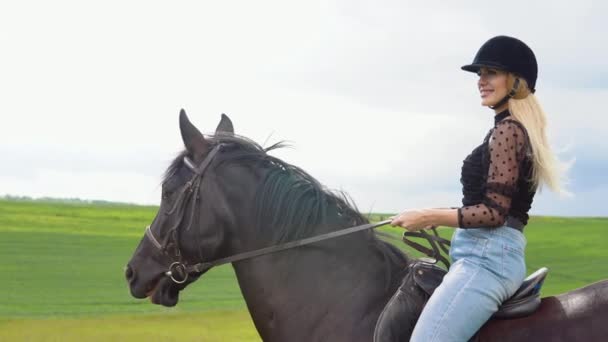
<point>204,266</point>
<point>178,271</point>
<point>433,240</point>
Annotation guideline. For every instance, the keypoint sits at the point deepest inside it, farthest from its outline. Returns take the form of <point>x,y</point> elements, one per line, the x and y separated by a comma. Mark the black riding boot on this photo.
<point>398,319</point>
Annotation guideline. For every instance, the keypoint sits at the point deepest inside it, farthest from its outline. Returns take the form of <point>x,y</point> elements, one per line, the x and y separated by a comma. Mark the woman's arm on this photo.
<point>417,219</point>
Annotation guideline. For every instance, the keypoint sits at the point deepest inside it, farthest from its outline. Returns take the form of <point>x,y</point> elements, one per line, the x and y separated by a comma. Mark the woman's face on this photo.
<point>492,85</point>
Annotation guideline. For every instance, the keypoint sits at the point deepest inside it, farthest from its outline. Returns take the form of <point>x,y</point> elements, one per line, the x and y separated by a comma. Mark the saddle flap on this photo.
<point>427,276</point>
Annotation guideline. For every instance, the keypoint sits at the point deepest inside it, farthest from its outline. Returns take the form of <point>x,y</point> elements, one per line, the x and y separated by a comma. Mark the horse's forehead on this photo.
<point>178,177</point>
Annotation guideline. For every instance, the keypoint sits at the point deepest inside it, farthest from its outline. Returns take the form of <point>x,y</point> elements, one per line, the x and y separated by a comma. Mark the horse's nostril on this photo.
<point>129,272</point>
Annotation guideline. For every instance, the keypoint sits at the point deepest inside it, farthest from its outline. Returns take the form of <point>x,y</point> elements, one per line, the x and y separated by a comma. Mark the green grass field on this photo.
<point>62,275</point>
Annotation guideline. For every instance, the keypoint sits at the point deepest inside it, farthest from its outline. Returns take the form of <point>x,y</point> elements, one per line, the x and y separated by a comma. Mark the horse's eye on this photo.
<point>166,194</point>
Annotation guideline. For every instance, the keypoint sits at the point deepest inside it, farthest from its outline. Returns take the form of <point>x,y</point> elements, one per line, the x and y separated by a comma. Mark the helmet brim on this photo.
<point>476,66</point>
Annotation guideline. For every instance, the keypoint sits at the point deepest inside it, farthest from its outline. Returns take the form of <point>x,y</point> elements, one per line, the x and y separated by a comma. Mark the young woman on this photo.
<point>499,179</point>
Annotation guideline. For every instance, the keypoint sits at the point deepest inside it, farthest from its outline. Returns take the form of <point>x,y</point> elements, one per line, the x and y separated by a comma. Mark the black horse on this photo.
<point>226,195</point>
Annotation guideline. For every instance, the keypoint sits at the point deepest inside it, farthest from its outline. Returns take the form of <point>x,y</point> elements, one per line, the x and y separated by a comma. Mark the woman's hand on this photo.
<point>414,220</point>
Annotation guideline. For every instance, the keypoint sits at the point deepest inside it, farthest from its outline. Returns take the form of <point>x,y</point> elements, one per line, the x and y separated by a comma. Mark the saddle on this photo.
<point>428,276</point>
<point>396,322</point>
<point>524,301</point>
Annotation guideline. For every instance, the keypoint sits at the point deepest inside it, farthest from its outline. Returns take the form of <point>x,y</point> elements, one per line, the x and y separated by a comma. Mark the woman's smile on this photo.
<point>485,92</point>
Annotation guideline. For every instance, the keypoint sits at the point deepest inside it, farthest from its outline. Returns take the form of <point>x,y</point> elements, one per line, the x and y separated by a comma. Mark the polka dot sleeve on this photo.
<point>507,146</point>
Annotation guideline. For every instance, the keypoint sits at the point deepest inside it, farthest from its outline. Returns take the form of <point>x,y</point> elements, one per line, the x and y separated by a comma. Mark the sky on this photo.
<point>369,93</point>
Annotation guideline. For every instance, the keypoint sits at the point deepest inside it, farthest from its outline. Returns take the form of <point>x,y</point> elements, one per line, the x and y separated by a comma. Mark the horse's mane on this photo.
<point>290,204</point>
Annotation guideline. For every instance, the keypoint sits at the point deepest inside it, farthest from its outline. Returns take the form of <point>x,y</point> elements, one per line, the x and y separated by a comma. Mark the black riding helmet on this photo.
<point>509,54</point>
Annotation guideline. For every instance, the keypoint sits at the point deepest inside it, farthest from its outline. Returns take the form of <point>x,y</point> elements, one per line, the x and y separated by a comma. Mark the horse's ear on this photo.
<point>225,125</point>
<point>193,139</point>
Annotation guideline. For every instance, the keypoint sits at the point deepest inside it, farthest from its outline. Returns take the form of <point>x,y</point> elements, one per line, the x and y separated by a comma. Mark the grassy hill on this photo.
<point>62,267</point>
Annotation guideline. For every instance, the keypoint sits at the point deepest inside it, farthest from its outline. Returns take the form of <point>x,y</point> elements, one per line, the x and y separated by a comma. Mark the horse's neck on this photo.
<point>333,287</point>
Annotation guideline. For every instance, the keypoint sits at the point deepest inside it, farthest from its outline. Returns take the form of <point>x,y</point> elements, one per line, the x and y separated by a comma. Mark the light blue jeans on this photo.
<point>488,266</point>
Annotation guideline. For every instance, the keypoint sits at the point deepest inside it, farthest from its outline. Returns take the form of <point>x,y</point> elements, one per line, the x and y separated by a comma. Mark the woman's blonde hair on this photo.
<point>526,109</point>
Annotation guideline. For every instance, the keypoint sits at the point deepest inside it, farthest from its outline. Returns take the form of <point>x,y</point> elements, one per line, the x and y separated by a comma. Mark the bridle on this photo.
<point>179,270</point>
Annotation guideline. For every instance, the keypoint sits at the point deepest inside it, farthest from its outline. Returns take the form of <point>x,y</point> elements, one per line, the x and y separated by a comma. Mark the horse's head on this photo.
<point>194,219</point>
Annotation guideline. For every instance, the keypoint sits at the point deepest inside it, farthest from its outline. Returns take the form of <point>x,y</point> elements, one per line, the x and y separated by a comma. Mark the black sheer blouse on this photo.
<point>496,177</point>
